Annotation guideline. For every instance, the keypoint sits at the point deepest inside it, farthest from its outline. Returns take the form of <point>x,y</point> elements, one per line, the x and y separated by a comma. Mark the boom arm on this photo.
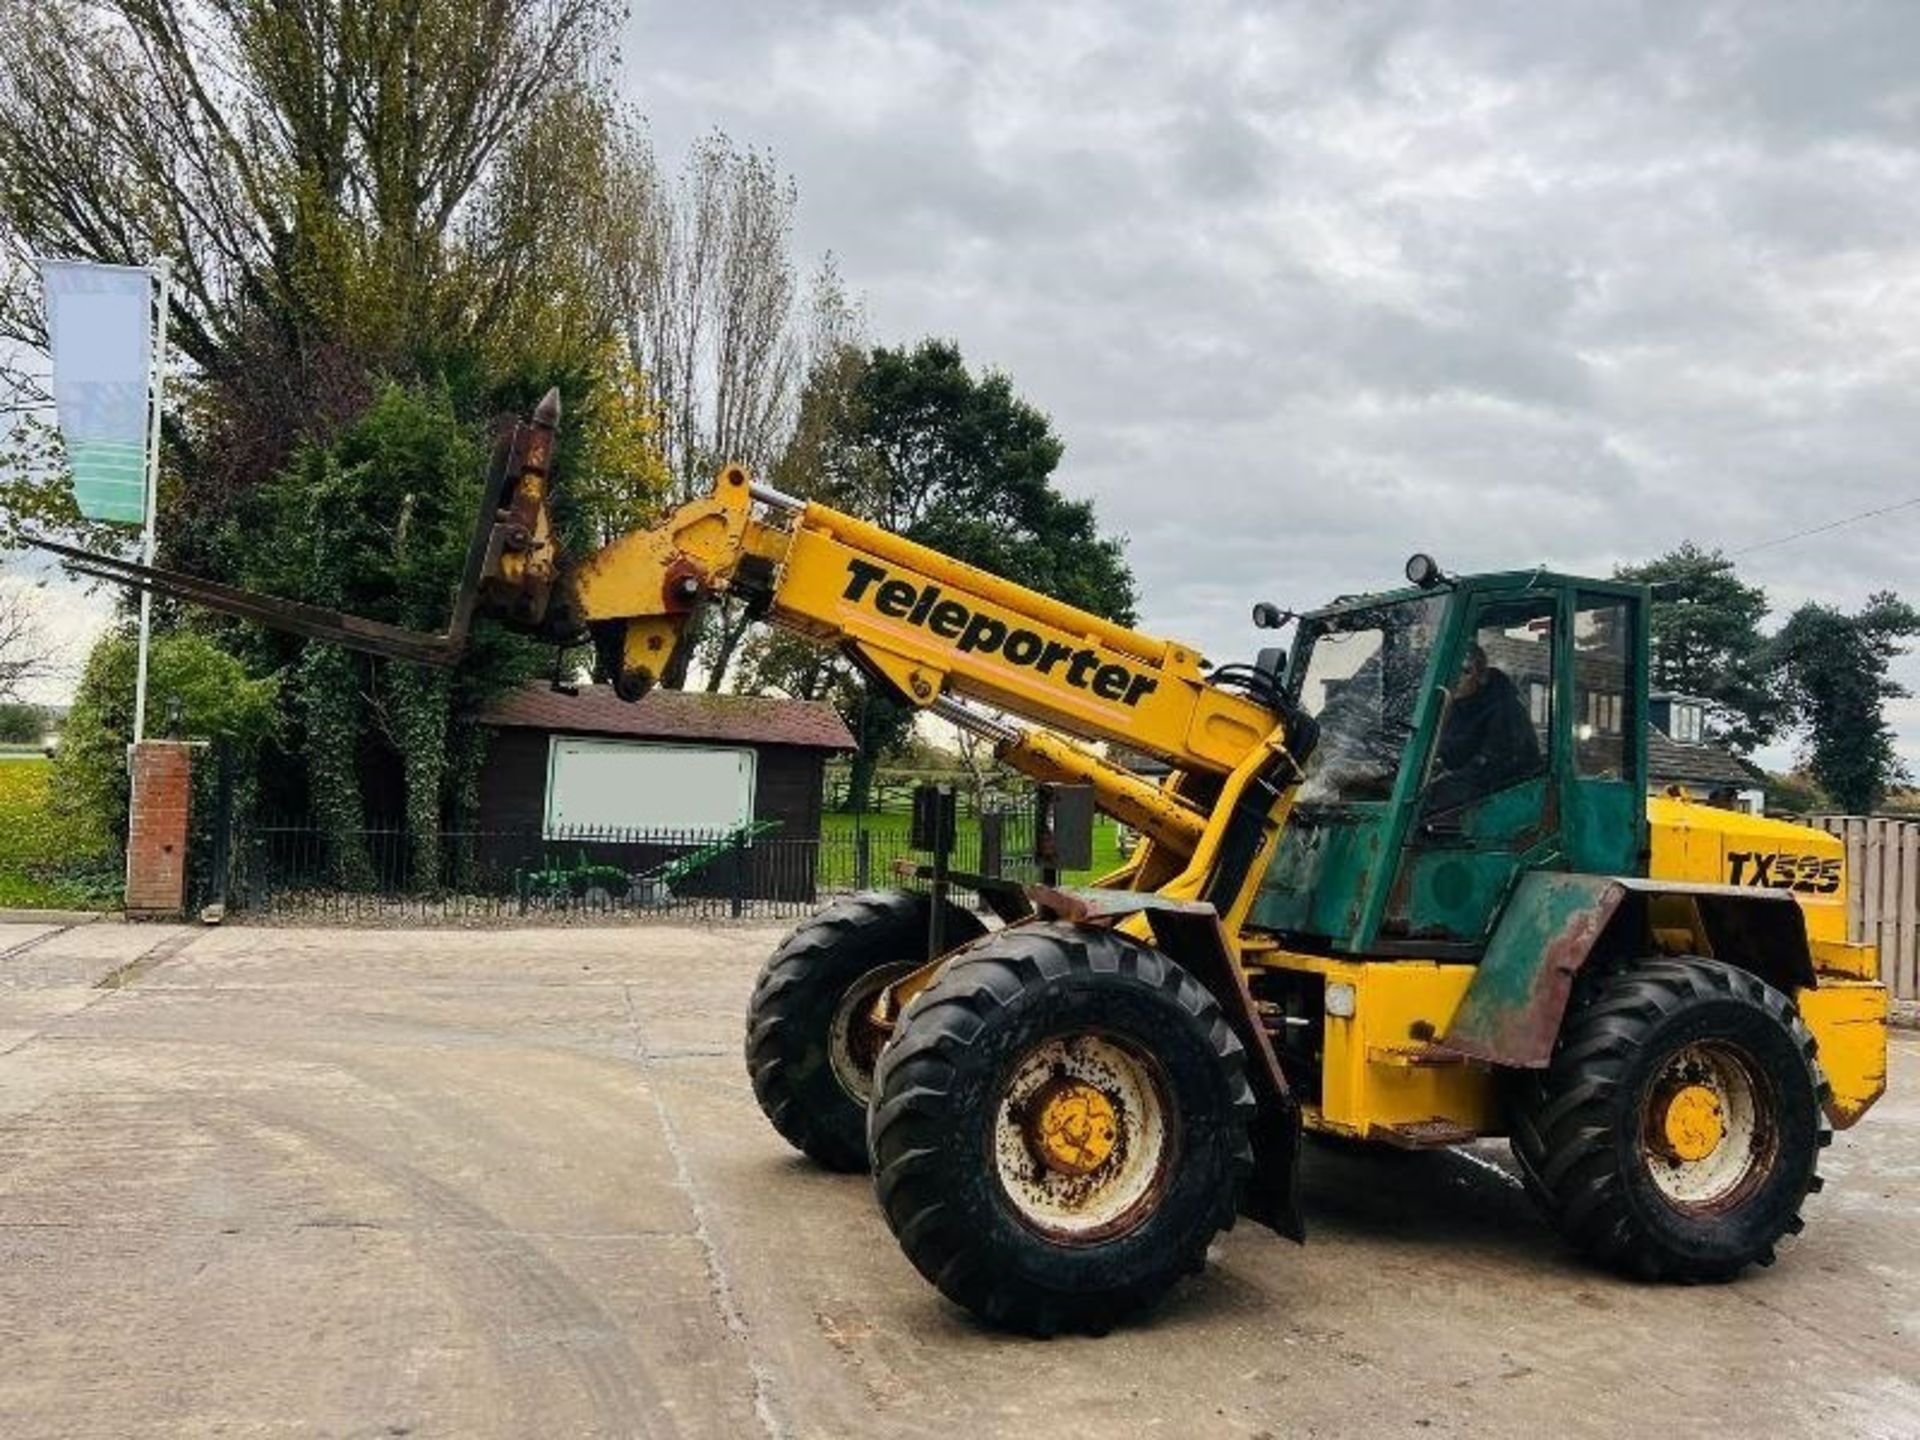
<point>930,627</point>
<point>923,622</point>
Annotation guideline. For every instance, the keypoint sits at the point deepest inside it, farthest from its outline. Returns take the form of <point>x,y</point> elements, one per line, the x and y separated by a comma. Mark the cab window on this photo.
<point>1360,674</point>
<point>1496,728</point>
<point>1603,704</point>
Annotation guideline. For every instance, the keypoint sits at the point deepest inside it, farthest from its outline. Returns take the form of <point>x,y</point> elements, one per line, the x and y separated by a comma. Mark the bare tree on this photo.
<point>977,758</point>
<point>719,322</point>
<point>710,293</point>
<point>26,654</point>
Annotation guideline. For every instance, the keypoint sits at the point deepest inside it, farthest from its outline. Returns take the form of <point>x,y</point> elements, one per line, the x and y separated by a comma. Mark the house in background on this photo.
<point>1680,757</point>
<point>563,767</point>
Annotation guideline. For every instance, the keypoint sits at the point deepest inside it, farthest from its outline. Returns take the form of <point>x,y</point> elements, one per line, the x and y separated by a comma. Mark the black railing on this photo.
<point>296,870</point>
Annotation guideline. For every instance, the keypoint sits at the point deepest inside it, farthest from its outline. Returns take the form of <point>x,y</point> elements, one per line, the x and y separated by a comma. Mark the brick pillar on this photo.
<point>157,828</point>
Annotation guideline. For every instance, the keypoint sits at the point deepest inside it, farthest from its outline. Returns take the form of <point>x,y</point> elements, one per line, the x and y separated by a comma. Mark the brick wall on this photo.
<point>157,828</point>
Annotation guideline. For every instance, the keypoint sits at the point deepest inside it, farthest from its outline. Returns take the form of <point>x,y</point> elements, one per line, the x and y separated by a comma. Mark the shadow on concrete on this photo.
<point>1439,1199</point>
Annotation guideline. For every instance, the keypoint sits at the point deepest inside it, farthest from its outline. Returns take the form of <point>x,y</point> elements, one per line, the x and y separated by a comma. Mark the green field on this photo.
<point>45,861</point>
<point>889,832</point>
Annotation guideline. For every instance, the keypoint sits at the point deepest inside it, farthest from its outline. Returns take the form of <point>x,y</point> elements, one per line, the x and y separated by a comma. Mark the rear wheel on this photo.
<point>1059,1127</point>
<point>809,1053</point>
<point>1676,1131</point>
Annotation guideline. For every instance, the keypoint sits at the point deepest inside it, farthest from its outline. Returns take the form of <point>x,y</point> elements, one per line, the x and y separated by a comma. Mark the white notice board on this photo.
<point>635,785</point>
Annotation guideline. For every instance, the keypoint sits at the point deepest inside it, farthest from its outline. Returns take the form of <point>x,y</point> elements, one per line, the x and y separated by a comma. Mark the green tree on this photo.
<point>347,196</point>
<point>1832,669</point>
<point>1707,643</point>
<point>962,464</point>
<point>195,691</point>
<point>376,524</point>
<point>913,440</point>
<point>21,724</point>
<point>1794,793</point>
<point>356,171</point>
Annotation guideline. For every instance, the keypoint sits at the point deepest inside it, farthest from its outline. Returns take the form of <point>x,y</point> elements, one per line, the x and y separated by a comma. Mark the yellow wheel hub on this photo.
<point>1694,1123</point>
<point>1073,1128</point>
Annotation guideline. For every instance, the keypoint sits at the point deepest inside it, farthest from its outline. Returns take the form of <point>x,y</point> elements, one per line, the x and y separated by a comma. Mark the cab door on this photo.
<point>1487,808</point>
<point>1605,788</point>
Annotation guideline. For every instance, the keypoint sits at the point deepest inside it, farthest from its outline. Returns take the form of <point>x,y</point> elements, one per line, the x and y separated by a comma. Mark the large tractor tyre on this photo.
<point>810,1060</point>
<point>1059,1127</point>
<point>1676,1131</point>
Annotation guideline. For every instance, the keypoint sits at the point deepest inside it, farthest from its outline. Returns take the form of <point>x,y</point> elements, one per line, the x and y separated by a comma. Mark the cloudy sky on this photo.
<point>1307,287</point>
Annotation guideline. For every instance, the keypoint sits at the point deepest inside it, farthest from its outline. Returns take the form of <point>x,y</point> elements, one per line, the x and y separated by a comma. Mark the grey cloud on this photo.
<point>1307,286</point>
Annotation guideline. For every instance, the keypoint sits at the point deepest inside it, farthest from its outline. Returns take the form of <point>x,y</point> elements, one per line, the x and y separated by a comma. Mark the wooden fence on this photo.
<point>1883,893</point>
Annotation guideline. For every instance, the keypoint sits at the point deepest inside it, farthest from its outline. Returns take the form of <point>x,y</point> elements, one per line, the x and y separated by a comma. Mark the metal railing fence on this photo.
<point>295,869</point>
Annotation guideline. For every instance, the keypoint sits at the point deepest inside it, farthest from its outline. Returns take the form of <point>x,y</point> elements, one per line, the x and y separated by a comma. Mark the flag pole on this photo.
<point>156,386</point>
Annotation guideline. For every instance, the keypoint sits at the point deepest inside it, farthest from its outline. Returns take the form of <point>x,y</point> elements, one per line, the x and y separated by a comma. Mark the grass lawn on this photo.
<point>45,861</point>
<point>889,832</point>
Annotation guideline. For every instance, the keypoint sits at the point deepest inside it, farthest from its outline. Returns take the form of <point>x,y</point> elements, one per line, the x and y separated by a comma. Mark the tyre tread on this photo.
<point>781,999</point>
<point>921,1069</point>
<point>1564,1117</point>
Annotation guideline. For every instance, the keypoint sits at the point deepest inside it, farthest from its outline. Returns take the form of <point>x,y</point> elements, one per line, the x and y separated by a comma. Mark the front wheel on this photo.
<point>1059,1127</point>
<point>1676,1131</point>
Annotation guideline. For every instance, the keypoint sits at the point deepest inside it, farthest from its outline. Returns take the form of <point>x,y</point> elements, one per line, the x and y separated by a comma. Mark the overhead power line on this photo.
<point>1910,501</point>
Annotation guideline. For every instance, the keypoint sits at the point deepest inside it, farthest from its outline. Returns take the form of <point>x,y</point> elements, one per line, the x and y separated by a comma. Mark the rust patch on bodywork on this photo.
<point>1511,1012</point>
<point>1550,929</point>
<point>1091,905</point>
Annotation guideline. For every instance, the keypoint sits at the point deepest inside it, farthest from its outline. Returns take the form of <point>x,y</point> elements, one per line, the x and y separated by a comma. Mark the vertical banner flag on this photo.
<point>99,326</point>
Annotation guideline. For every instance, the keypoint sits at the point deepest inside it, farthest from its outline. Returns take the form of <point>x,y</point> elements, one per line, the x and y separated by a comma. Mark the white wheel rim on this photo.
<point>1084,1138</point>
<point>1708,1136</point>
<point>852,1047</point>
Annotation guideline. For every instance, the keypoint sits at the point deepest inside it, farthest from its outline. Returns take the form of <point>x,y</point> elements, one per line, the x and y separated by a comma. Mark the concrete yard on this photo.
<point>458,1183</point>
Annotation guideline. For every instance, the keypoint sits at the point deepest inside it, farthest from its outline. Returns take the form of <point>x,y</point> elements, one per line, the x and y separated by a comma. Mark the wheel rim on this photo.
<point>1708,1129</point>
<point>1084,1138</point>
<point>854,1042</point>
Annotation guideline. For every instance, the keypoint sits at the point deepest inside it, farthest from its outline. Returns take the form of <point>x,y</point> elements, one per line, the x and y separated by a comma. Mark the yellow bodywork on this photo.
<point>1847,1008</point>
<point>1711,846</point>
<point>1848,1019</point>
<point>932,625</point>
<point>1381,1074</point>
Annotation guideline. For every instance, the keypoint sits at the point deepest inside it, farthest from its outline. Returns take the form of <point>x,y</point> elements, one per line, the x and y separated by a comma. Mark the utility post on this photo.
<point>156,389</point>
<point>1062,829</point>
<point>934,829</point>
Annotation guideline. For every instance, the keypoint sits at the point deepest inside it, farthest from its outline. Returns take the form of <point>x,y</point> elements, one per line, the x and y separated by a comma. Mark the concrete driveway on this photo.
<point>450,1183</point>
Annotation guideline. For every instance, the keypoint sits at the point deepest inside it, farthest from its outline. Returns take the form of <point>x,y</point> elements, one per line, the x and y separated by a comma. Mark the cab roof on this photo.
<point>1537,579</point>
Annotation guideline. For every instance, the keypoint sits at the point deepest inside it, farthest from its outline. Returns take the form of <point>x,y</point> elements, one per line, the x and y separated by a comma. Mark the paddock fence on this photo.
<point>1883,893</point>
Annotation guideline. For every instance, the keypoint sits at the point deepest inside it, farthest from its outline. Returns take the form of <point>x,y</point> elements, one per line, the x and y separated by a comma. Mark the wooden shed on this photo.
<point>678,764</point>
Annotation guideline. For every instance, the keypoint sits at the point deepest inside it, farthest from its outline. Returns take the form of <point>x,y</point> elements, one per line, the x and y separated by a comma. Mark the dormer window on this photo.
<point>1681,718</point>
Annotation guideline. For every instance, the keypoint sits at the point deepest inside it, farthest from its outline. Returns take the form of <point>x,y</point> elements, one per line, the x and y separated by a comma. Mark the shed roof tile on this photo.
<point>673,715</point>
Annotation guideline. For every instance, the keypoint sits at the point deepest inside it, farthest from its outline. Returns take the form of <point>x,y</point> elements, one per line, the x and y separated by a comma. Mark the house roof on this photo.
<point>1670,761</point>
<point>673,715</point>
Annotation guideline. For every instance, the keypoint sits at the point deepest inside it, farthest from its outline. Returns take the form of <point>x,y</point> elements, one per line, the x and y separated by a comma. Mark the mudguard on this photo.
<point>1554,924</point>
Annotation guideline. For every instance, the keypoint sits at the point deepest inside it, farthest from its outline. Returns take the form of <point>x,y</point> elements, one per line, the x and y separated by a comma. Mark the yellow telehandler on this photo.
<point>1404,884</point>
